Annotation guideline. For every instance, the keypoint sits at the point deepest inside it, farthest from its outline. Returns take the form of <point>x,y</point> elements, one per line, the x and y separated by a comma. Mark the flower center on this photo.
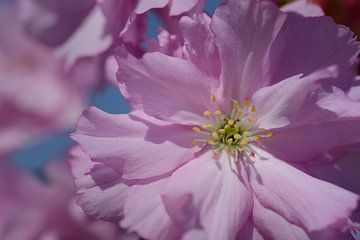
<point>235,132</point>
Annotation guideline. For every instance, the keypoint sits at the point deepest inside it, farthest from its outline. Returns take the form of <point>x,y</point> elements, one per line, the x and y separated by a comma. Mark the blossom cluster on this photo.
<point>244,124</point>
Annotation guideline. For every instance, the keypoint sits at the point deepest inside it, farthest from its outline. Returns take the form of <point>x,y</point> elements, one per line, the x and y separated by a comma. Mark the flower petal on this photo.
<point>145,213</point>
<point>310,203</point>
<point>199,44</point>
<point>101,193</point>
<point>145,5</point>
<point>244,31</point>
<point>135,146</point>
<point>177,91</point>
<point>205,199</point>
<point>179,7</point>
<point>273,226</point>
<point>304,8</point>
<point>326,44</point>
<point>277,106</point>
<point>88,40</point>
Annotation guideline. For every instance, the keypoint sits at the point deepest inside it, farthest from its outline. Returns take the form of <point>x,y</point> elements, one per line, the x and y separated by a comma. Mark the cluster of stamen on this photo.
<point>235,132</point>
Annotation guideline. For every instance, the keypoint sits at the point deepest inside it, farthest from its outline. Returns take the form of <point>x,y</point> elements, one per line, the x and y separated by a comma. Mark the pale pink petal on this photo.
<point>101,193</point>
<point>304,7</point>
<point>325,42</point>
<point>310,203</point>
<point>248,232</point>
<point>145,5</point>
<point>178,7</point>
<point>273,226</point>
<point>145,213</point>
<point>244,41</point>
<point>345,172</point>
<point>89,40</point>
<point>167,94</point>
<point>135,146</point>
<point>276,104</point>
<point>52,22</point>
<point>205,199</point>
<point>199,44</point>
<point>260,45</point>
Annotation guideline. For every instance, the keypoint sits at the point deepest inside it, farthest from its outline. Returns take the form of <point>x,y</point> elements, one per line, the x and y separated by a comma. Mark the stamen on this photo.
<point>207,126</point>
<point>237,136</point>
<point>218,113</point>
<point>244,142</point>
<point>252,109</point>
<point>196,129</point>
<point>246,102</point>
<point>233,132</point>
<point>207,113</point>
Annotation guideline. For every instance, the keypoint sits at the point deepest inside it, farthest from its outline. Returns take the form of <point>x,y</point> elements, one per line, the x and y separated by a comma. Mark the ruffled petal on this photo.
<point>304,8</point>
<point>273,226</point>
<point>135,146</point>
<point>200,47</point>
<point>302,200</point>
<point>244,31</point>
<point>101,193</point>
<point>145,213</point>
<point>178,7</point>
<point>208,194</point>
<point>145,5</point>
<point>177,91</point>
<point>285,103</point>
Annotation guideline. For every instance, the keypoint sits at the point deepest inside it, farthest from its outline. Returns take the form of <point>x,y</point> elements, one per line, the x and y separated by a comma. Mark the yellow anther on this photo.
<point>253,109</point>
<point>235,104</point>
<point>243,142</point>
<point>237,136</point>
<point>206,126</point>
<point>218,113</point>
<point>247,134</point>
<point>207,113</point>
<point>269,134</point>
<point>251,119</point>
<point>240,111</point>
<point>194,142</point>
<point>246,102</point>
<point>214,135</point>
<point>222,131</point>
<point>257,138</point>
<point>230,141</point>
<point>213,99</point>
<point>211,142</point>
<point>231,122</point>
<point>196,129</point>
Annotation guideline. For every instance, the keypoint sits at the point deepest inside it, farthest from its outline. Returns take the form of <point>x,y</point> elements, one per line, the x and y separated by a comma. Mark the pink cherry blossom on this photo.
<point>220,138</point>
<point>37,96</point>
<point>31,209</point>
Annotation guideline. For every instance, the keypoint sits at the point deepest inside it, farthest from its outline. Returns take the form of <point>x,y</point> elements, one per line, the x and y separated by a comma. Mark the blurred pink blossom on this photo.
<point>34,210</point>
<point>37,96</point>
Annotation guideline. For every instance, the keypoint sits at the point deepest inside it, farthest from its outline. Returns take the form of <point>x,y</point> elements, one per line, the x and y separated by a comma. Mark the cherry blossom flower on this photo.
<point>219,139</point>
